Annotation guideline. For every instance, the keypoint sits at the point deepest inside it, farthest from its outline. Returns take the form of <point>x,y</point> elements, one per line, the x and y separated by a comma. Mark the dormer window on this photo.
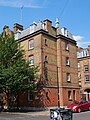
<point>87,53</point>
<point>17,35</point>
<point>33,27</point>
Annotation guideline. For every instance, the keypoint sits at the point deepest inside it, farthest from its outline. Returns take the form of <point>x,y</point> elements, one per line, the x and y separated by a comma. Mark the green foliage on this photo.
<point>10,51</point>
<point>14,70</point>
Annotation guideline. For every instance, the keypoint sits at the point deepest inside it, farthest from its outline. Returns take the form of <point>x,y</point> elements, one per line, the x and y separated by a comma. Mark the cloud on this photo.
<point>80,40</point>
<point>77,38</point>
<point>25,3</point>
<point>83,43</point>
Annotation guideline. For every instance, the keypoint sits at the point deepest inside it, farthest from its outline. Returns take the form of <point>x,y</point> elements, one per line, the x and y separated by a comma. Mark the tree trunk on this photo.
<point>6,100</point>
<point>17,100</point>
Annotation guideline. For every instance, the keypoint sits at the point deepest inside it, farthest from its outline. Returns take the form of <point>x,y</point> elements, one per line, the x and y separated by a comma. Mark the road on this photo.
<point>27,116</point>
<point>81,116</point>
<point>22,117</point>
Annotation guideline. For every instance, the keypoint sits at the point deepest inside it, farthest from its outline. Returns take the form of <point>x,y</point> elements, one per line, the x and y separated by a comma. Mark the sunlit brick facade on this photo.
<point>54,50</point>
<point>83,56</point>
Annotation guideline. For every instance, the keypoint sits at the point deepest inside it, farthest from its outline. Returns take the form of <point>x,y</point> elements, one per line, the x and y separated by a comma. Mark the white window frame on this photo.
<point>31,44</point>
<point>78,64</point>
<point>79,74</point>
<point>67,61</point>
<point>31,60</point>
<point>68,77</point>
<point>66,46</point>
<point>86,68</point>
<point>86,77</point>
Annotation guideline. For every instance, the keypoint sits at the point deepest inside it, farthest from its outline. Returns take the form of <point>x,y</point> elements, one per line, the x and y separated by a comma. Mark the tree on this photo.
<point>15,71</point>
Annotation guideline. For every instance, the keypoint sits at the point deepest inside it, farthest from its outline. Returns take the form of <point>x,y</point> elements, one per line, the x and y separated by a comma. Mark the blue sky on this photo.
<point>72,14</point>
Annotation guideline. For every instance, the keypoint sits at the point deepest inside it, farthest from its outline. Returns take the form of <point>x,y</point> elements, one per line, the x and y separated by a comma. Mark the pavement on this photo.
<point>38,113</point>
<point>43,113</point>
<point>34,113</point>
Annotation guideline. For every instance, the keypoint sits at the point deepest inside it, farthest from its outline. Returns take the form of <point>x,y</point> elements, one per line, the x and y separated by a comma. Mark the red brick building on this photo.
<point>54,50</point>
<point>83,56</point>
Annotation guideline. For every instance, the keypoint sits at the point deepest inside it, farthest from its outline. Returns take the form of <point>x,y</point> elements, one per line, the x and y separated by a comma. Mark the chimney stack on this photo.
<point>6,29</point>
<point>48,25</point>
<point>17,27</point>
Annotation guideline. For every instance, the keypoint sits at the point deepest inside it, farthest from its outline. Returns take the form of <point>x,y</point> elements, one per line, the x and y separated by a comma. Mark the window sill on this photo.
<point>87,81</point>
<point>67,50</point>
<point>86,71</point>
<point>69,81</point>
<point>69,99</point>
<point>68,65</point>
<point>31,65</point>
<point>31,48</point>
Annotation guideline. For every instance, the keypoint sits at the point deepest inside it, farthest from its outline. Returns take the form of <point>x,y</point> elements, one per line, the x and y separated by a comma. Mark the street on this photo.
<point>22,117</point>
<point>35,116</point>
<point>81,116</point>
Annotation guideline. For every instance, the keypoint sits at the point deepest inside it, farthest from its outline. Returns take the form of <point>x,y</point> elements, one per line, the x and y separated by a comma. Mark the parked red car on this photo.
<point>80,106</point>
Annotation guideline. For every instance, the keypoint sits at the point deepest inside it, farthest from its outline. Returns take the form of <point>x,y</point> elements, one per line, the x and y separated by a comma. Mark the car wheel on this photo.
<point>89,108</point>
<point>79,110</point>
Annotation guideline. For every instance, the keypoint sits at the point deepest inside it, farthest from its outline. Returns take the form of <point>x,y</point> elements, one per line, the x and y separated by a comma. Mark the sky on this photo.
<point>72,14</point>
